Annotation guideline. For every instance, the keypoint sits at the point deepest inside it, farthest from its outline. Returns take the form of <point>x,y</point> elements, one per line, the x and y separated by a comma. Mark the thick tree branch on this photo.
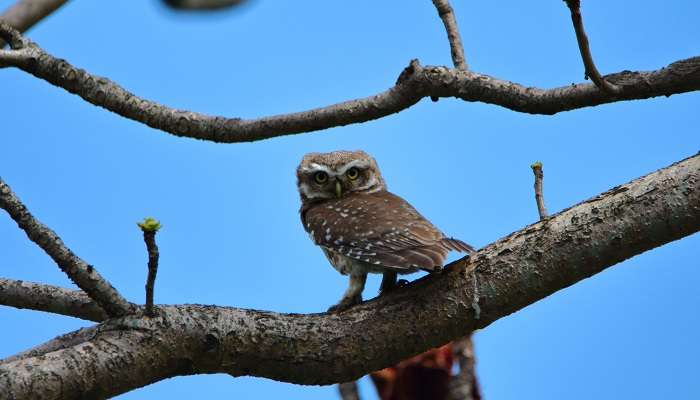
<point>58,343</point>
<point>512,273</point>
<point>81,273</point>
<point>53,299</point>
<point>415,83</point>
<point>584,48</point>
<point>447,16</point>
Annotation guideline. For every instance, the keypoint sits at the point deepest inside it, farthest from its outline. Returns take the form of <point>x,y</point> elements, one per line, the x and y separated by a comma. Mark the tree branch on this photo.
<point>448,19</point>
<point>53,299</point>
<point>539,197</point>
<point>25,13</point>
<point>81,273</point>
<point>150,227</point>
<point>512,273</point>
<point>68,340</point>
<point>414,83</point>
<point>584,48</point>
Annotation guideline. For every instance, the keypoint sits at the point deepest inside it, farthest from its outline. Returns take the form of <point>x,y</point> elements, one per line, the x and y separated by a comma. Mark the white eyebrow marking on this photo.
<point>313,167</point>
<point>353,163</point>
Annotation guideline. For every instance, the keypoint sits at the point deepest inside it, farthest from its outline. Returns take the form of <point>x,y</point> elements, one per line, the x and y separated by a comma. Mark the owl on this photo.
<point>363,228</point>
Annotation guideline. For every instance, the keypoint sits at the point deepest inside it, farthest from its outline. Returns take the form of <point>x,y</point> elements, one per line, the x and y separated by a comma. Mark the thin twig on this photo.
<point>539,197</point>
<point>349,391</point>
<point>417,82</point>
<point>150,226</point>
<point>447,16</point>
<point>53,299</point>
<point>26,13</point>
<point>81,273</point>
<point>584,48</point>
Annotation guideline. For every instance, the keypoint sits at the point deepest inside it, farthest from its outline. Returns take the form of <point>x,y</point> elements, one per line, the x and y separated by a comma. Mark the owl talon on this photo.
<point>345,303</point>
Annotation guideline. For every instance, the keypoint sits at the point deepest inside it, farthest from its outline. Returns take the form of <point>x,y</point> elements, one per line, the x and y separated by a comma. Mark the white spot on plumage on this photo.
<point>376,262</point>
<point>328,230</point>
<point>343,215</point>
<point>328,238</point>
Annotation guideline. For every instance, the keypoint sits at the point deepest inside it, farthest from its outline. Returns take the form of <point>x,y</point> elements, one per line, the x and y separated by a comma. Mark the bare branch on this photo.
<point>448,19</point>
<point>584,48</point>
<point>414,83</point>
<point>513,272</point>
<point>81,273</point>
<point>25,13</point>
<point>349,391</point>
<point>539,197</point>
<point>58,343</point>
<point>53,299</point>
<point>150,226</point>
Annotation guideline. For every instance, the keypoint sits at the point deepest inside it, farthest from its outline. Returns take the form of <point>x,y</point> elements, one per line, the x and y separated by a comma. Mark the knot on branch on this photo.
<point>410,71</point>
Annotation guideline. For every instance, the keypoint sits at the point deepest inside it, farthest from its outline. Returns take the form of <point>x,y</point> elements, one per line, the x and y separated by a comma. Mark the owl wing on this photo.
<point>381,229</point>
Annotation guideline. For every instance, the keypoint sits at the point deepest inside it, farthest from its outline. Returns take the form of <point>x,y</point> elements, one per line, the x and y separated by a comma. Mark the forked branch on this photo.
<point>584,48</point>
<point>415,83</point>
<point>447,16</point>
<point>513,272</point>
<point>81,273</point>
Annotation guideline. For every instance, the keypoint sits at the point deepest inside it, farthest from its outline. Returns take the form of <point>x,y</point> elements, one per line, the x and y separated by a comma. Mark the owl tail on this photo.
<point>457,245</point>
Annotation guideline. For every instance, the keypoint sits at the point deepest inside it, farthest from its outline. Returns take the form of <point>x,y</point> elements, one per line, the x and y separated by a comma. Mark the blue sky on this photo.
<point>231,231</point>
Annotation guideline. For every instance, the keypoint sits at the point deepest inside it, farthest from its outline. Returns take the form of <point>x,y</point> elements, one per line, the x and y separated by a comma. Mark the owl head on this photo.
<point>337,174</point>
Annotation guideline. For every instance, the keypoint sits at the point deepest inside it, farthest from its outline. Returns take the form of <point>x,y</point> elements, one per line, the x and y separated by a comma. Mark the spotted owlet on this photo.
<point>361,227</point>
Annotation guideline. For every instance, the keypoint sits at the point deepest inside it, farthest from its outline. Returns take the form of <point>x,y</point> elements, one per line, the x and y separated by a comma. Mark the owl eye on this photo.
<point>320,177</point>
<point>352,173</point>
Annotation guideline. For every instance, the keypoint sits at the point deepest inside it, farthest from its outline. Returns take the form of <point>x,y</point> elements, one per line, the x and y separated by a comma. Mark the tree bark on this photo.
<point>414,83</point>
<point>315,349</point>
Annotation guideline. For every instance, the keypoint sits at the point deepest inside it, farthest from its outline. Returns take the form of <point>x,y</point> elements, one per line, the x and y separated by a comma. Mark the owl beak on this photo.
<point>338,189</point>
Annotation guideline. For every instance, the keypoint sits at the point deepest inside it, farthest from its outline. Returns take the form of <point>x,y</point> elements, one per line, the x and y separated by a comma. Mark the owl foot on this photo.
<point>345,303</point>
<point>386,288</point>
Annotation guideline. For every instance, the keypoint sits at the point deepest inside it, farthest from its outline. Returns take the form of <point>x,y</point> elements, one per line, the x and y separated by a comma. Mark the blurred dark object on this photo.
<point>196,5</point>
<point>428,376</point>
<point>425,376</point>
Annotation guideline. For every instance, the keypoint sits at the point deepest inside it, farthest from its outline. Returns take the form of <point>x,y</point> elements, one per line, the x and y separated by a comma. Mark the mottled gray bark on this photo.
<point>447,16</point>
<point>585,50</point>
<point>414,83</point>
<point>471,293</point>
<point>81,273</point>
<point>53,299</point>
